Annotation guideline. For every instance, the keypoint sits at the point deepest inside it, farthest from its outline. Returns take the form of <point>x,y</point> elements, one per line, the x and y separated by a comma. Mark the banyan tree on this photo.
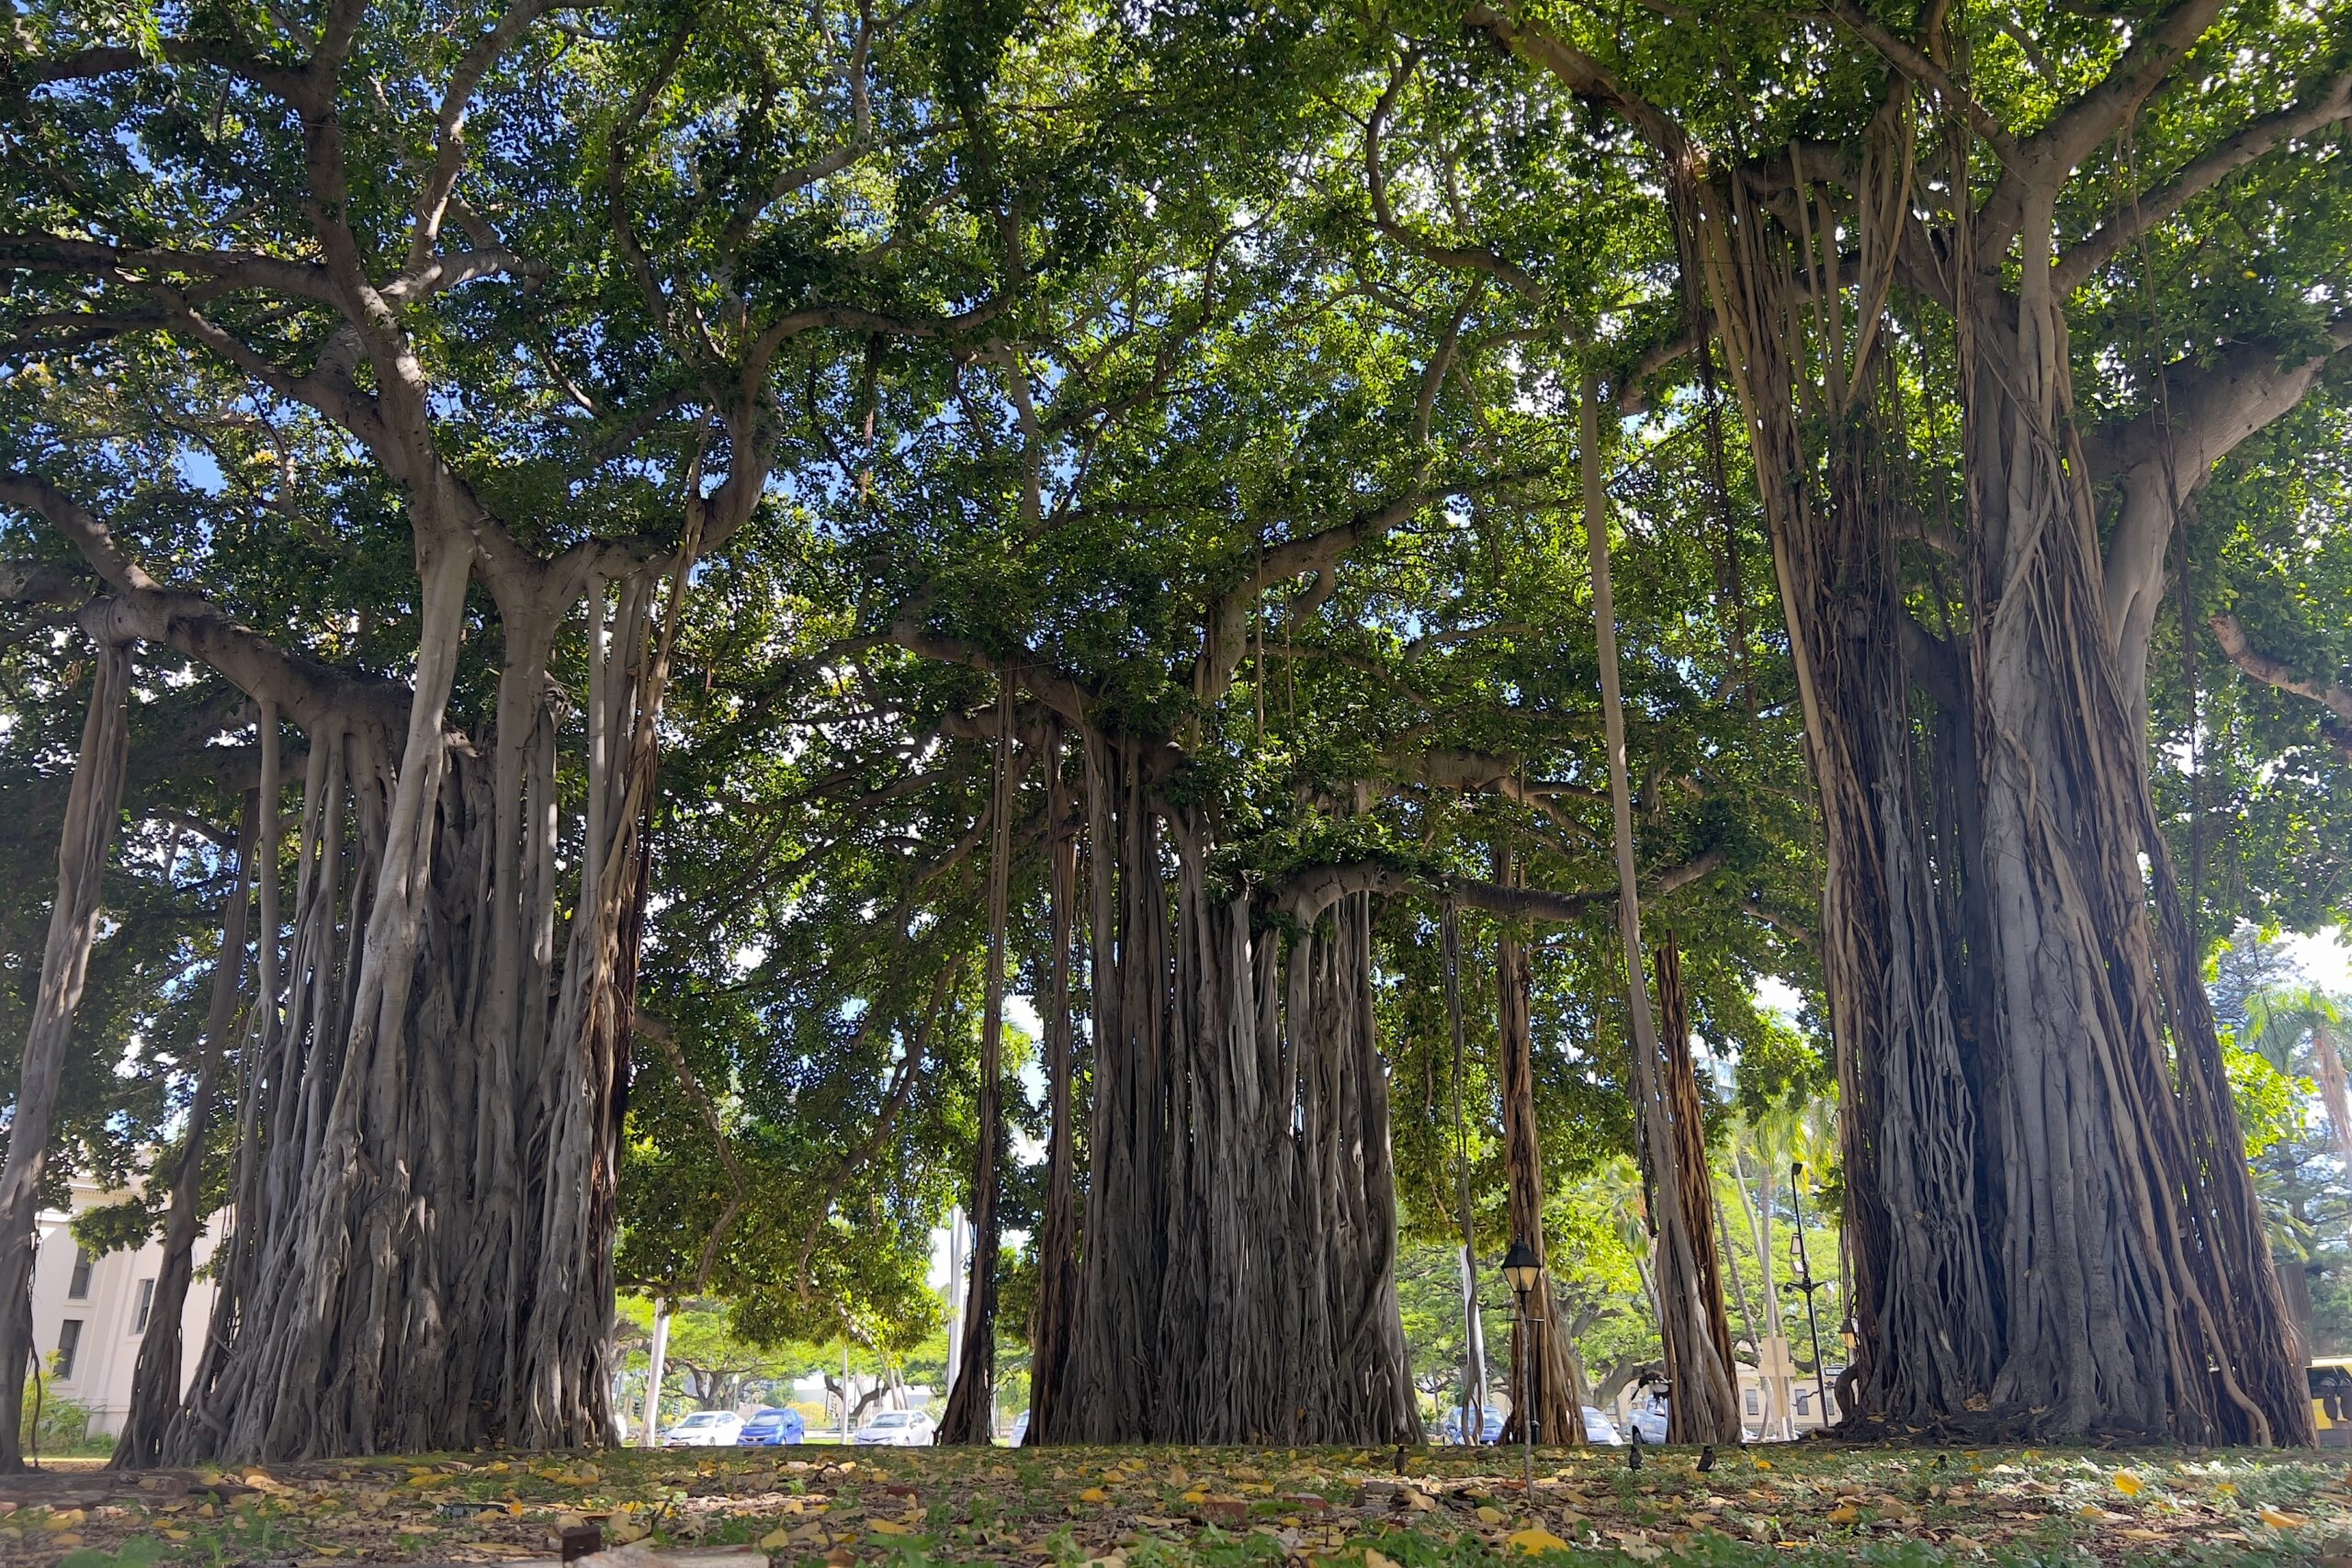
<point>1277,515</point>
<point>430,1094</point>
<point>2052,1217</point>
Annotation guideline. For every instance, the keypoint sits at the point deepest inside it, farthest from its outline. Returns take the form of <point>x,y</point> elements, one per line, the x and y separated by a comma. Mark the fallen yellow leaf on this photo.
<point>1376,1558</point>
<point>775,1540</point>
<point>2277,1518</point>
<point>1094,1494</point>
<point>1530,1542</point>
<point>888,1527</point>
<point>1489,1514</point>
<point>1844,1514</point>
<point>2127,1483</point>
<point>63,1519</point>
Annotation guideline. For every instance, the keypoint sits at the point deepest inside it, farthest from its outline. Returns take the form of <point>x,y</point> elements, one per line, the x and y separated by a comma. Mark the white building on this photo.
<point>89,1312</point>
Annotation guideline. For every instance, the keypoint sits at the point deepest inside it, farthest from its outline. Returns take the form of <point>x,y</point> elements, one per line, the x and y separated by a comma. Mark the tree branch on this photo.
<point>2074,134</point>
<point>313,695</point>
<point>1580,74</point>
<point>1914,65</point>
<point>1475,258</point>
<point>2252,141</point>
<point>2334,696</point>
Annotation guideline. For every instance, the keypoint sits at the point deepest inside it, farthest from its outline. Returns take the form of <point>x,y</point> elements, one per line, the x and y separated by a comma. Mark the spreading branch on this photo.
<point>315,696</point>
<point>2330,106</point>
<point>1473,258</point>
<point>2274,672</point>
<point>1581,74</point>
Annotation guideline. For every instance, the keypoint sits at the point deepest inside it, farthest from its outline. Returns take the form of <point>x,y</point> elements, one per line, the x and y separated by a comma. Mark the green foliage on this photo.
<point>1056,325</point>
<point>2266,1099</point>
<point>55,1426</point>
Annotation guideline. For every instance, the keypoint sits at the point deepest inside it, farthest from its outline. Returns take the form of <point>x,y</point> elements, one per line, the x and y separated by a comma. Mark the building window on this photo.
<point>69,1340</point>
<point>143,1303</point>
<point>1753,1408</point>
<point>77,1288</point>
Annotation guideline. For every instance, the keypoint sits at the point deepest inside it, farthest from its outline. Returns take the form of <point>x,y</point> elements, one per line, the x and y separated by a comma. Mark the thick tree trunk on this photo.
<point>971,1403</point>
<point>424,1203</point>
<point>1123,1253</point>
<point>1924,1296</point>
<point>1706,1394</point>
<point>1236,1276</point>
<point>1542,1377</point>
<point>92,804</point>
<point>2141,1302</point>
<point>156,1380</point>
<point>1050,1335</point>
<point>2053,1222</point>
<point>1695,1179</point>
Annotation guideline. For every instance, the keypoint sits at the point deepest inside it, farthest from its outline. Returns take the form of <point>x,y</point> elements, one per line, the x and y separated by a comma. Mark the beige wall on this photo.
<point>108,1351</point>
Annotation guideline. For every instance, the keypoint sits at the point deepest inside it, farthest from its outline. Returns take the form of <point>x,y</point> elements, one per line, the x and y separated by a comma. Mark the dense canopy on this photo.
<point>589,589</point>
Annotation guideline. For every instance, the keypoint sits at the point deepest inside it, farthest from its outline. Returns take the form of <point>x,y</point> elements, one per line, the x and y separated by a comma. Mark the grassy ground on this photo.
<point>1150,1507</point>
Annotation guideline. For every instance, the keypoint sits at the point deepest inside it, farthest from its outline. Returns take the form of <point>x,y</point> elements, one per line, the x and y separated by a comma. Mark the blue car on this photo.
<point>767,1428</point>
<point>1490,1427</point>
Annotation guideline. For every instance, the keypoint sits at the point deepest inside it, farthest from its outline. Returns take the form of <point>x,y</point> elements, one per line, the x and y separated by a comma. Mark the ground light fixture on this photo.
<point>1524,1272</point>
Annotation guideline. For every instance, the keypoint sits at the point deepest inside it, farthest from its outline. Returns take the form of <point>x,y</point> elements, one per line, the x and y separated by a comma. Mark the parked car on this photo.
<point>1600,1429</point>
<point>1649,1420</point>
<point>767,1428</point>
<point>896,1429</point>
<point>704,1429</point>
<point>1490,1429</point>
<point>1019,1431</point>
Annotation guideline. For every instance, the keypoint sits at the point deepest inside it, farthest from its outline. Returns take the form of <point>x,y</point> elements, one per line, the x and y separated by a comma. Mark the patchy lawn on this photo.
<point>1150,1508</point>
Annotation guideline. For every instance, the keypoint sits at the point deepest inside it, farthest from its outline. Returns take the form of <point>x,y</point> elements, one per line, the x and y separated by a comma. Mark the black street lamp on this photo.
<point>1524,1271</point>
<point>1806,1283</point>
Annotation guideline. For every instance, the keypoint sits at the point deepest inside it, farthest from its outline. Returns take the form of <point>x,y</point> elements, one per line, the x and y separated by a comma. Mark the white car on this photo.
<point>704,1429</point>
<point>896,1429</point>
<point>1600,1429</point>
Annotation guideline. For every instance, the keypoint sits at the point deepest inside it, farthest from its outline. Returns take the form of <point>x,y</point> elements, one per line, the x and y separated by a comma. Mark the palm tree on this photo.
<point>2293,1027</point>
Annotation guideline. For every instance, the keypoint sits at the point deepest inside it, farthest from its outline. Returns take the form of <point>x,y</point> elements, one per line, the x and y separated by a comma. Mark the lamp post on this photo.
<point>1525,1272</point>
<point>1806,1283</point>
